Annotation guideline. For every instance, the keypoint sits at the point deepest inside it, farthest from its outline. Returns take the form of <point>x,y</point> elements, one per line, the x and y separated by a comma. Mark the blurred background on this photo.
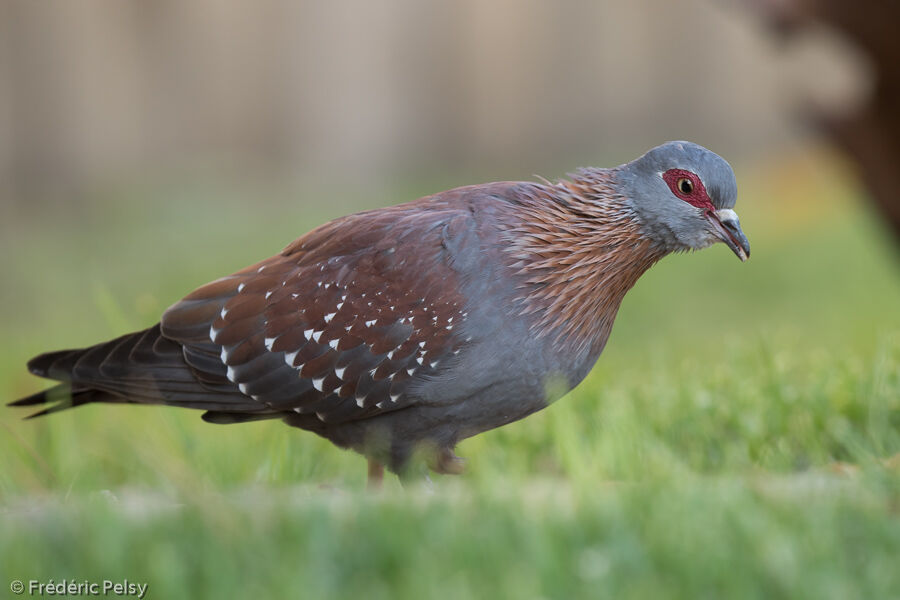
<point>105,90</point>
<point>149,147</point>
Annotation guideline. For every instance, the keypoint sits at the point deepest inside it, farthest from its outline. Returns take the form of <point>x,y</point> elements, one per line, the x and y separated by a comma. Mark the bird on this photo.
<point>400,331</point>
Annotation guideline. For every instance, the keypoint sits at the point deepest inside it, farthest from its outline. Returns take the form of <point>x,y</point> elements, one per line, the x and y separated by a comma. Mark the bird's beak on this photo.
<point>727,227</point>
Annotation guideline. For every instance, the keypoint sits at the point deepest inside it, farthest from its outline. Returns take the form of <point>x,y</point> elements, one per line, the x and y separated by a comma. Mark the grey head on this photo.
<point>684,196</point>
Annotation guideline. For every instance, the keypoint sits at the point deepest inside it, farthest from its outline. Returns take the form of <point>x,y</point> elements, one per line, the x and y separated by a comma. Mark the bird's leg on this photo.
<point>376,475</point>
<point>414,469</point>
<point>449,463</point>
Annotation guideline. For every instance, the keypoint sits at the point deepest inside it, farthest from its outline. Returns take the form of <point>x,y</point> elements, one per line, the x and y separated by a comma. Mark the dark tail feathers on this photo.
<point>57,365</point>
<point>64,397</point>
<point>143,367</point>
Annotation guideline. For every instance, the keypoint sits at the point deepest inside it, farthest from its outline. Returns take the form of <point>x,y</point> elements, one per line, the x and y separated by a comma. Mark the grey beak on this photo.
<point>727,227</point>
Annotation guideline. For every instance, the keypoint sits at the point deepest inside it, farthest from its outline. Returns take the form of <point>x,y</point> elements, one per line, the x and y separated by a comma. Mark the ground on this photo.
<point>739,437</point>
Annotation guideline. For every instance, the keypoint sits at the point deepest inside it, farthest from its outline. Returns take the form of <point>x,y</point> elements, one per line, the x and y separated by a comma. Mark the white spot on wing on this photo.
<point>339,305</point>
<point>317,334</point>
<point>395,397</point>
<point>340,372</point>
<point>370,323</point>
<point>290,356</point>
<point>268,294</point>
<point>317,383</point>
<point>334,344</point>
<point>307,333</point>
<point>329,317</point>
<point>241,287</point>
<point>269,342</point>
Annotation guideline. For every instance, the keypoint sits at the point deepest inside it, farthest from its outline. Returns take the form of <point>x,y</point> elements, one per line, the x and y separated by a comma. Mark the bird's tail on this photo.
<point>60,366</point>
<point>61,397</point>
<point>142,367</point>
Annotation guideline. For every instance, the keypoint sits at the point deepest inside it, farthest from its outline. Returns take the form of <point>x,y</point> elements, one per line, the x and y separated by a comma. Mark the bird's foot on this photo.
<point>449,463</point>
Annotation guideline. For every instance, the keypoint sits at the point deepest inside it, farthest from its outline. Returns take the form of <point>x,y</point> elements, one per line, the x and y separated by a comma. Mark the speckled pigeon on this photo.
<point>418,325</point>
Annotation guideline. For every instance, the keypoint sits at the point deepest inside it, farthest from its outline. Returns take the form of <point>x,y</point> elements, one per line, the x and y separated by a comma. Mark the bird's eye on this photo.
<point>688,187</point>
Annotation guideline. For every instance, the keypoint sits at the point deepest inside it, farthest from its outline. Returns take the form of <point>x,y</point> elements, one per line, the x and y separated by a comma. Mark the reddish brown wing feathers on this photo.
<point>341,322</point>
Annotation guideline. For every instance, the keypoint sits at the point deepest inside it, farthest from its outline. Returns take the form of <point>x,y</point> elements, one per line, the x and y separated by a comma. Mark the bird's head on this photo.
<point>684,197</point>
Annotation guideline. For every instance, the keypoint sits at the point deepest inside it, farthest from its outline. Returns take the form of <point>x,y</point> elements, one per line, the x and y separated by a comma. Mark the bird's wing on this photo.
<point>342,321</point>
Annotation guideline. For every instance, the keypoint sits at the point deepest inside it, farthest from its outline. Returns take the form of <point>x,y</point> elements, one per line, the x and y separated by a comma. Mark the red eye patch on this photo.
<point>697,195</point>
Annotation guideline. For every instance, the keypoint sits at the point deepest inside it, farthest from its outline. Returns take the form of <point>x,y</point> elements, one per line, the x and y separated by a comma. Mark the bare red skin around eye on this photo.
<point>698,197</point>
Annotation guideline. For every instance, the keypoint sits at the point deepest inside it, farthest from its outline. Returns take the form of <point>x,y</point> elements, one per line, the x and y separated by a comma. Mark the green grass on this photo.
<point>738,438</point>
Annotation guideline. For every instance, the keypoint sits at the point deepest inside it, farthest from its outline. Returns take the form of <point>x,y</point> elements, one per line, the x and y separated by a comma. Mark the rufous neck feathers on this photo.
<point>576,247</point>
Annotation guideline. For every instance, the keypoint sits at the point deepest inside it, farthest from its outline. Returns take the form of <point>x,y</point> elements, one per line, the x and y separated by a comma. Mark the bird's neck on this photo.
<point>576,248</point>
